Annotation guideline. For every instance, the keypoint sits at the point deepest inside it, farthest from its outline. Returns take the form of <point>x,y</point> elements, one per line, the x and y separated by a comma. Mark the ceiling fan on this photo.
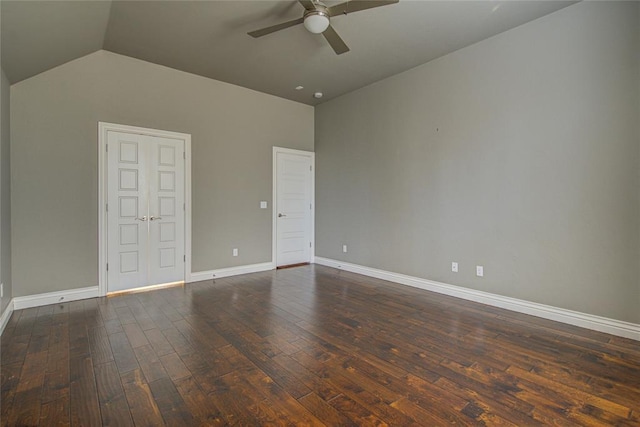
<point>316,19</point>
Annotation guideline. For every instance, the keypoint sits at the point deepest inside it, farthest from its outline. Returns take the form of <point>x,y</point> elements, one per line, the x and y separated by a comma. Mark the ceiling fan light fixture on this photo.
<point>316,21</point>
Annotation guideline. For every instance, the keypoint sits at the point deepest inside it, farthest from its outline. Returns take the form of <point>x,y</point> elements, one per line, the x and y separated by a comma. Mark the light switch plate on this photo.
<point>454,267</point>
<point>479,271</point>
<point>263,205</point>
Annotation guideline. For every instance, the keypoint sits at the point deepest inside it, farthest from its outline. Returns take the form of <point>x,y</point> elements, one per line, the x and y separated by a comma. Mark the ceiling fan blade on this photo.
<point>274,28</point>
<point>307,4</point>
<point>357,6</point>
<point>338,45</point>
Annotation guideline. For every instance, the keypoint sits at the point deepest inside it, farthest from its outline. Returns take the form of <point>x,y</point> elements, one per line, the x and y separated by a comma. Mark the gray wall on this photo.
<point>54,119</point>
<point>519,153</point>
<point>5,193</point>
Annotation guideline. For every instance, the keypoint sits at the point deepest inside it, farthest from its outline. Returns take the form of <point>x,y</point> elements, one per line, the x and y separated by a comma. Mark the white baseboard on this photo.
<point>93,291</point>
<point>584,320</point>
<point>6,315</point>
<point>230,271</point>
<point>55,297</point>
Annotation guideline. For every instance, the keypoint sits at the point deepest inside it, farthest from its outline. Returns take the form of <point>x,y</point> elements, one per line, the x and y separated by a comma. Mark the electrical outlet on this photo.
<point>454,267</point>
<point>479,271</point>
<point>235,251</point>
<point>263,205</point>
<point>344,248</point>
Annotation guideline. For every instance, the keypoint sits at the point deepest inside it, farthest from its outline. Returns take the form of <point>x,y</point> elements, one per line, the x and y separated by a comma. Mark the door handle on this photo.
<point>144,218</point>
<point>281,215</point>
<point>153,218</point>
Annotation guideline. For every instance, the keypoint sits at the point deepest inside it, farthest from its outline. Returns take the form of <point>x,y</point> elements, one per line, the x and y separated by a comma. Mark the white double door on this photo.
<point>145,210</point>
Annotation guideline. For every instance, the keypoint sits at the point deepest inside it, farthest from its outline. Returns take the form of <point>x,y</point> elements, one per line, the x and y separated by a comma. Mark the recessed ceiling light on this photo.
<point>317,95</point>
<point>299,87</point>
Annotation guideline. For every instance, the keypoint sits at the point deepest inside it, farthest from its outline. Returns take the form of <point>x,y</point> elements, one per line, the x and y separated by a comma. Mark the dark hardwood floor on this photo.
<point>309,346</point>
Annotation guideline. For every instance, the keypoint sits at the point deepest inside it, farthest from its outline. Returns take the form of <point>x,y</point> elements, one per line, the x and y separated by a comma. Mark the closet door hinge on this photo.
<point>106,147</point>
<point>106,207</point>
<point>184,258</point>
<point>107,266</point>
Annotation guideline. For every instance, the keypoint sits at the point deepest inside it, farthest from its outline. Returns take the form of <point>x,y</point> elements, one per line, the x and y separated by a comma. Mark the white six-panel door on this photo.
<point>294,188</point>
<point>166,210</point>
<point>145,215</point>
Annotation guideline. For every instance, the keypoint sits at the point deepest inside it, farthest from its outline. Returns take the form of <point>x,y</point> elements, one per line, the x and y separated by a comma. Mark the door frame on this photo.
<point>274,214</point>
<point>103,128</point>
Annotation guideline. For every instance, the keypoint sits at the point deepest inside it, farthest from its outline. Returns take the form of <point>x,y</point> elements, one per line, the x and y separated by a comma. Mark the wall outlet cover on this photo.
<point>454,267</point>
<point>479,271</point>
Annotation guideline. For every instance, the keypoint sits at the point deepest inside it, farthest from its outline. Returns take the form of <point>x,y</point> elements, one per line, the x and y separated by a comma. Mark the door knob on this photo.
<point>281,215</point>
<point>144,218</point>
<point>153,218</point>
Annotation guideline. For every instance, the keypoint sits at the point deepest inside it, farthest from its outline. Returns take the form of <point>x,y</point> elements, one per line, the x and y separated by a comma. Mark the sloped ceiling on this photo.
<point>210,38</point>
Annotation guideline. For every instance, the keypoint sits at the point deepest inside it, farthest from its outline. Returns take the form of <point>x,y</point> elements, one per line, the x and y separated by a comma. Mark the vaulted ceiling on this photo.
<point>210,38</point>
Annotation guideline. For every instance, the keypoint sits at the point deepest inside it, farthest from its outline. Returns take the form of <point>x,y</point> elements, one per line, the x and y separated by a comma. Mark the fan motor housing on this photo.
<point>317,20</point>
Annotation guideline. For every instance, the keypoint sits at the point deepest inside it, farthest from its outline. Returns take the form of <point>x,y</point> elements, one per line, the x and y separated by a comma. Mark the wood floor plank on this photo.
<point>113,326</point>
<point>270,367</point>
<point>143,407</point>
<point>174,366</point>
<point>241,404</point>
<point>114,408</point>
<point>150,363</point>
<point>15,349</point>
<point>99,345</point>
<point>200,405</point>
<point>56,380</point>
<point>56,413</point>
<point>135,335</point>
<point>299,372</point>
<point>592,400</point>
<point>123,353</point>
<point>78,335</point>
<point>283,402</point>
<point>324,412</point>
<point>25,409</point>
<point>33,371</point>
<point>84,407</point>
<point>356,412</point>
<point>368,399</point>
<point>158,341</point>
<point>180,344</point>
<point>172,407</point>
<point>9,378</point>
<point>125,315</point>
<point>308,346</point>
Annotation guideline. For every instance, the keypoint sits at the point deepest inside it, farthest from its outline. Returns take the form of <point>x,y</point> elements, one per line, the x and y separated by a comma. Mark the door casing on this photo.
<point>103,128</point>
<point>274,213</point>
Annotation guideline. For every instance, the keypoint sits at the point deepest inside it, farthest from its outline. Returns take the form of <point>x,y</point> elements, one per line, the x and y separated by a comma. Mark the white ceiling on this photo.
<point>210,38</point>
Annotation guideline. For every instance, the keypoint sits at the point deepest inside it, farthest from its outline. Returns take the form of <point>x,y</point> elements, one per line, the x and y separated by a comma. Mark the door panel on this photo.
<point>127,206</point>
<point>166,211</point>
<point>293,206</point>
<point>145,220</point>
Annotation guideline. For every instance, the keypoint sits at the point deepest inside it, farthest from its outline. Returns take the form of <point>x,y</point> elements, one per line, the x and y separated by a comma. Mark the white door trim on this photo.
<point>274,227</point>
<point>103,128</point>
